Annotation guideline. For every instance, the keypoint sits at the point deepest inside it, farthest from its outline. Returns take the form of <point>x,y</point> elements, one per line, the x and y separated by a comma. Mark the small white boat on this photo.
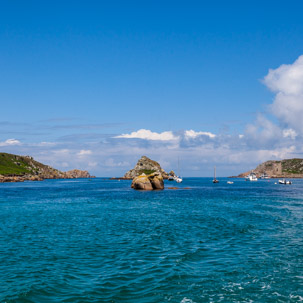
<point>264,176</point>
<point>283,181</point>
<point>251,177</point>
<point>230,182</point>
<point>178,179</point>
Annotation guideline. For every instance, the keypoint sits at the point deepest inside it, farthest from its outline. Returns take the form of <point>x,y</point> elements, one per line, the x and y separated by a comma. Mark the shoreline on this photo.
<point>15,179</point>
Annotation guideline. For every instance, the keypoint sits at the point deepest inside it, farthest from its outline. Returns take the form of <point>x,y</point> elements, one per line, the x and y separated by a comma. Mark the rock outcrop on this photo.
<point>14,168</point>
<point>77,173</point>
<point>146,166</point>
<point>152,181</point>
<point>288,168</point>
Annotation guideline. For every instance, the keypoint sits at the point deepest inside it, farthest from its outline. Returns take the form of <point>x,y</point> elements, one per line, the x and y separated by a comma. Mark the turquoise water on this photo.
<point>100,241</point>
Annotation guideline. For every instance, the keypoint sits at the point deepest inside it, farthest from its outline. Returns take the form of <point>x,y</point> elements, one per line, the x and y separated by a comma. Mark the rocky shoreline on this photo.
<point>72,174</point>
<point>287,168</point>
<point>14,168</point>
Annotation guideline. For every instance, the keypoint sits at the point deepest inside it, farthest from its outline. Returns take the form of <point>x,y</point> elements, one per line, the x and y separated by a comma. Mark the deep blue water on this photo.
<point>100,241</point>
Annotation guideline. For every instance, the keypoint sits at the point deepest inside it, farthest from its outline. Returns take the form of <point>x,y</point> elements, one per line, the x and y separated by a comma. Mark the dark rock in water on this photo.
<point>146,166</point>
<point>148,182</point>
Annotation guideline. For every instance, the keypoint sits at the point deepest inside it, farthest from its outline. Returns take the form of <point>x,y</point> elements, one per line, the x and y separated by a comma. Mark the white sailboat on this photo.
<point>177,178</point>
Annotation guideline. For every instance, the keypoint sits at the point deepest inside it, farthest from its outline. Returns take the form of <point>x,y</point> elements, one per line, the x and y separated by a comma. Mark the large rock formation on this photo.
<point>288,168</point>
<point>146,166</point>
<point>77,173</point>
<point>148,182</point>
<point>14,168</point>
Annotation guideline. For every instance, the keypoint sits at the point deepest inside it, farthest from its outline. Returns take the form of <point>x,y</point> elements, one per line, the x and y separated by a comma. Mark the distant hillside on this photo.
<point>13,165</point>
<point>21,168</point>
<point>288,168</point>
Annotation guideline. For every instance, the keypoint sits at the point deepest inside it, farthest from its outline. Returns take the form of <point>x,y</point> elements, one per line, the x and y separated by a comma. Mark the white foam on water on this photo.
<point>186,300</point>
<point>299,298</point>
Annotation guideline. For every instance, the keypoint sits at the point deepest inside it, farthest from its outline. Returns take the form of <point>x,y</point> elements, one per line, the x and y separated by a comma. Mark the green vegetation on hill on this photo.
<point>292,166</point>
<point>14,165</point>
<point>146,171</point>
<point>14,168</point>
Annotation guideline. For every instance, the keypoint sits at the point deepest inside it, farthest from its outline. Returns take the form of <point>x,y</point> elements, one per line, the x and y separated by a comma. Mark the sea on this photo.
<point>98,240</point>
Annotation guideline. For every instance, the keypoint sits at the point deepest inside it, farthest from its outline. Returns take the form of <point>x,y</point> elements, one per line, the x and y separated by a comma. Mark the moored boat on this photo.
<point>215,180</point>
<point>251,177</point>
<point>283,181</point>
<point>264,176</point>
<point>177,178</point>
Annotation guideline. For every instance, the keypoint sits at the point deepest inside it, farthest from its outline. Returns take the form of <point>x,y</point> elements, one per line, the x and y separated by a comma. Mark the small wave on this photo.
<point>296,297</point>
<point>186,300</point>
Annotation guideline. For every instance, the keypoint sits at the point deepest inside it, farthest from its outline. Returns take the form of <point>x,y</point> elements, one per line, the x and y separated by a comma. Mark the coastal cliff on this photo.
<point>287,168</point>
<point>14,168</point>
<point>147,166</point>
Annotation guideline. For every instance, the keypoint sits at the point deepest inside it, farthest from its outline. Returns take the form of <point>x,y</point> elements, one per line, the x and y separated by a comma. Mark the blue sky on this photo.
<point>95,85</point>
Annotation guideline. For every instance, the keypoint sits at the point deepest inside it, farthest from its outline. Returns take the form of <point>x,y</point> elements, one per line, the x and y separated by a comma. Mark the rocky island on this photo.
<point>287,168</point>
<point>14,168</point>
<point>147,175</point>
<point>147,166</point>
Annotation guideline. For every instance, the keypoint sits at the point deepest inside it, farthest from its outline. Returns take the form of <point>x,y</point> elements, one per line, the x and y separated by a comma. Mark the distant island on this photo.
<point>146,166</point>
<point>14,168</point>
<point>287,168</point>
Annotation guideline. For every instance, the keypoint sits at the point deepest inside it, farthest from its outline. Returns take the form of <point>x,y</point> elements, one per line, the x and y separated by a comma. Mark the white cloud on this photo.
<point>146,134</point>
<point>289,133</point>
<point>84,152</point>
<point>191,134</point>
<point>287,82</point>
<point>286,79</point>
<point>262,132</point>
<point>10,142</point>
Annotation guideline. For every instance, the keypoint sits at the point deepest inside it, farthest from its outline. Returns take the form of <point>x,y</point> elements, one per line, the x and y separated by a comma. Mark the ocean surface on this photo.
<point>100,241</point>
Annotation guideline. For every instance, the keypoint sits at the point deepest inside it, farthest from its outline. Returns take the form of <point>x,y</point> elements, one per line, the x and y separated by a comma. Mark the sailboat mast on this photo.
<point>215,173</point>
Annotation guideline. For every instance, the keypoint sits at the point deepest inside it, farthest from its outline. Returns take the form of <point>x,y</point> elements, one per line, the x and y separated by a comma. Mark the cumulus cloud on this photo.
<point>149,135</point>
<point>10,142</point>
<point>191,134</point>
<point>287,79</point>
<point>287,82</point>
